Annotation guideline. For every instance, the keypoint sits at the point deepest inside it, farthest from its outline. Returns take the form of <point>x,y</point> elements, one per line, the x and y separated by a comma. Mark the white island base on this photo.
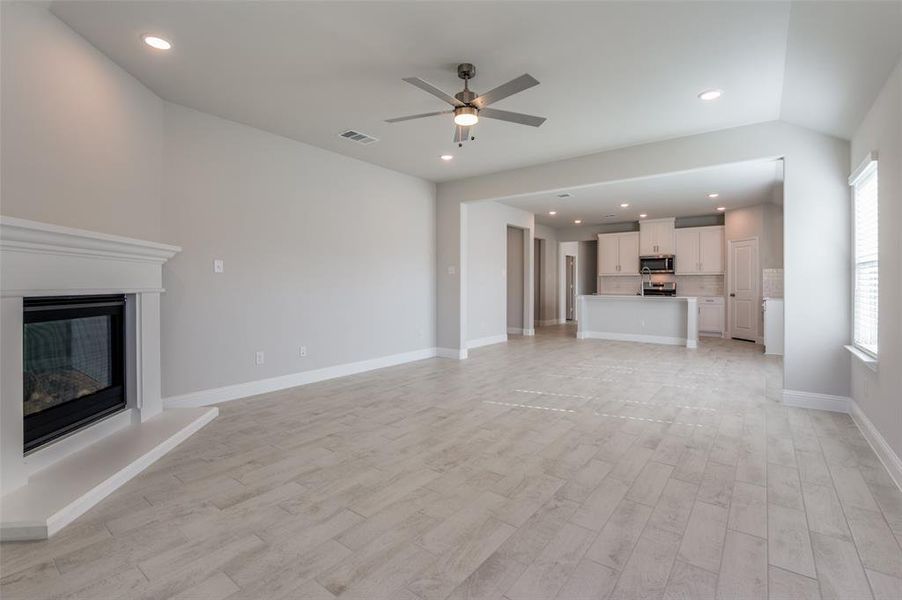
<point>650,319</point>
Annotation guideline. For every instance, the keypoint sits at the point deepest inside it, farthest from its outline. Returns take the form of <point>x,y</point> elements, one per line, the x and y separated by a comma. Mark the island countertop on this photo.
<point>669,320</point>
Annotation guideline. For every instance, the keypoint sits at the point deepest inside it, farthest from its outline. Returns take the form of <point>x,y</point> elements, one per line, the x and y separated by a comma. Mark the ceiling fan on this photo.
<point>468,107</point>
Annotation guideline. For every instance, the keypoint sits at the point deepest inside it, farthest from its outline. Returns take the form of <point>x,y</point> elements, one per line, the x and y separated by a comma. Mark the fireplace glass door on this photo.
<point>74,364</point>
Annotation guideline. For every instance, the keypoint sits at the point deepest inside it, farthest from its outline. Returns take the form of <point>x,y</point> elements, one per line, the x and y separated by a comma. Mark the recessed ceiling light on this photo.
<point>721,208</point>
<point>642,216</point>
<point>715,195</point>
<point>709,95</point>
<point>552,212</point>
<point>447,156</point>
<point>157,42</point>
<point>624,204</point>
<point>577,221</point>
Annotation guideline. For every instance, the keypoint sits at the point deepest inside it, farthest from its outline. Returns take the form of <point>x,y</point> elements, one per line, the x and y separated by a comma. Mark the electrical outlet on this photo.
<point>258,358</point>
<point>218,266</point>
<point>452,269</point>
<point>303,351</point>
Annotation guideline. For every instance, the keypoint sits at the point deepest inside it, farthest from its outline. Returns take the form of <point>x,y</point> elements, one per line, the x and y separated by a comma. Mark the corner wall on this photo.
<point>877,395</point>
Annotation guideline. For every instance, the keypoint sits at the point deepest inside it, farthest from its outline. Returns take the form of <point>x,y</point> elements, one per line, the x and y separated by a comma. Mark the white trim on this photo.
<point>273,384</point>
<point>865,167</point>
<point>62,493</point>
<point>487,341</point>
<point>633,337</point>
<point>454,353</point>
<point>878,443</point>
<point>816,401</point>
<point>865,358</point>
<point>515,330</point>
<point>529,332</point>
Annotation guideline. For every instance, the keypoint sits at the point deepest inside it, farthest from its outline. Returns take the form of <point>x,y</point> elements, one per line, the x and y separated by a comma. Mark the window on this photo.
<point>865,256</point>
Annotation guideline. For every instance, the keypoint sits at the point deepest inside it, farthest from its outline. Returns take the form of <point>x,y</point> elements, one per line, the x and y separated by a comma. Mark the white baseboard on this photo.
<point>529,332</point>
<point>816,401</point>
<point>631,337</point>
<point>515,330</point>
<point>878,443</point>
<point>273,384</point>
<point>455,353</point>
<point>487,341</point>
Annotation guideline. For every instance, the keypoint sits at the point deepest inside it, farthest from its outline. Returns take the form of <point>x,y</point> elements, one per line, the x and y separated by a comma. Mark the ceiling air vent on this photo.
<point>565,195</point>
<point>356,136</point>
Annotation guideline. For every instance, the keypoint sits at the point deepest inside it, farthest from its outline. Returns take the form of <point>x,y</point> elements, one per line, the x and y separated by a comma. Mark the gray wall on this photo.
<point>877,394</point>
<point>82,139</point>
<point>515,266</point>
<point>320,250</point>
<point>486,272</point>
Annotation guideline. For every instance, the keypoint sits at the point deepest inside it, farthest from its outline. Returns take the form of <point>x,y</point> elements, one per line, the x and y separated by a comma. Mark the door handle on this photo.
<point>732,295</point>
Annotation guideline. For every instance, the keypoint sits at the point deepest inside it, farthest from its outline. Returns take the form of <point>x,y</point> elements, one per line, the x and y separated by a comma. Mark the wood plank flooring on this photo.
<point>542,468</point>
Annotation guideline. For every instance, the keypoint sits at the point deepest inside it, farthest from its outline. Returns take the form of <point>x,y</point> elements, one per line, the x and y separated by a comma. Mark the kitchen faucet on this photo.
<point>642,280</point>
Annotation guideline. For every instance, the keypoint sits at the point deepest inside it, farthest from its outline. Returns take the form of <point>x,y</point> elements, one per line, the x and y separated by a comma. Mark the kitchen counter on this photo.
<point>671,320</point>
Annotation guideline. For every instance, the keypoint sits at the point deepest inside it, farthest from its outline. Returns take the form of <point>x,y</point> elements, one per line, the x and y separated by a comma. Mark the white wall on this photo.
<point>816,217</point>
<point>320,250</point>
<point>486,272</point>
<point>82,138</point>
<point>878,394</point>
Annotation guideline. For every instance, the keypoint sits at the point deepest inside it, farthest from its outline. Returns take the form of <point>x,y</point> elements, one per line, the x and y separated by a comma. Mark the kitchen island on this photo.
<point>669,320</point>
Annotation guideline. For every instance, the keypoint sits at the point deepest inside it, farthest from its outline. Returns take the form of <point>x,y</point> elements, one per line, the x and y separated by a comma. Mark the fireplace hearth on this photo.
<point>74,364</point>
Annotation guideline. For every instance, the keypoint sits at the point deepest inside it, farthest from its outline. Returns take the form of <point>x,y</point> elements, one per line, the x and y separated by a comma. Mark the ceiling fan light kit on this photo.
<point>468,107</point>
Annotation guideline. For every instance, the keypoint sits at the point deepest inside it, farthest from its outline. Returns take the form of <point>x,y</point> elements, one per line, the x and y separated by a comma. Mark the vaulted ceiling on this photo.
<point>612,73</point>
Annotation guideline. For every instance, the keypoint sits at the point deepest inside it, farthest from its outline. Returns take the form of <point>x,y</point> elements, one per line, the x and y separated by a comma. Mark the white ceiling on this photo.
<point>682,194</point>
<point>612,73</point>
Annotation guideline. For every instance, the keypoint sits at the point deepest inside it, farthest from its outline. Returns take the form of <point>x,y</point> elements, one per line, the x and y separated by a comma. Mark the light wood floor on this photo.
<point>543,468</point>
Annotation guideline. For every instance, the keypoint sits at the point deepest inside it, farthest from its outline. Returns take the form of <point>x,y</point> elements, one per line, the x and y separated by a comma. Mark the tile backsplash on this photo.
<point>618,285</point>
<point>700,285</point>
<point>773,283</point>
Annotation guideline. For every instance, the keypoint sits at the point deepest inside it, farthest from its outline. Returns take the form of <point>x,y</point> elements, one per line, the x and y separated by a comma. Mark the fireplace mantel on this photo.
<point>41,259</point>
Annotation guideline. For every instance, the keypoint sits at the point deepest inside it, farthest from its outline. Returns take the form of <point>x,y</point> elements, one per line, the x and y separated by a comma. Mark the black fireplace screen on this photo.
<point>74,367</point>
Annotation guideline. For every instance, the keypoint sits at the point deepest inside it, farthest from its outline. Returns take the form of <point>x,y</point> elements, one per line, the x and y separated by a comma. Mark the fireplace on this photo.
<point>74,364</point>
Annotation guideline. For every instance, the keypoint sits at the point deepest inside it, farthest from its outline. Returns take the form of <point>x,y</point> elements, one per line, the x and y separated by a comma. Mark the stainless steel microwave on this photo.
<point>660,263</point>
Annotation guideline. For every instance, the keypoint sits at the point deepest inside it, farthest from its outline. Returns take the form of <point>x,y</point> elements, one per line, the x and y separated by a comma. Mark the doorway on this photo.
<point>538,279</point>
<point>744,296</point>
<point>570,287</point>
<point>516,261</point>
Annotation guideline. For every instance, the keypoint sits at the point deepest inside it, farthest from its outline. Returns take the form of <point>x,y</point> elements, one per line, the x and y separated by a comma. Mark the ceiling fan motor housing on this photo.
<point>466,71</point>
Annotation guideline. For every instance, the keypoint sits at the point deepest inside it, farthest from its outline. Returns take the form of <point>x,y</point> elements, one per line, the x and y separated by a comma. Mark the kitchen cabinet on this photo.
<point>711,315</point>
<point>618,253</point>
<point>699,251</point>
<point>656,237</point>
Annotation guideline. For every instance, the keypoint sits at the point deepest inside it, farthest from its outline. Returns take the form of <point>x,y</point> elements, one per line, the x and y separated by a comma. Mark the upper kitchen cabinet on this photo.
<point>699,251</point>
<point>618,253</point>
<point>656,237</point>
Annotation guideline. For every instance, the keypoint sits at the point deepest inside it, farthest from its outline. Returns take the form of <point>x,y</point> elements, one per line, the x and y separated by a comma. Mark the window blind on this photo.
<point>866,265</point>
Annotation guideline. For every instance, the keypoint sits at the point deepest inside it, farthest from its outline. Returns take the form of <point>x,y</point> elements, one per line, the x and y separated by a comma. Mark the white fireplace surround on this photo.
<point>46,489</point>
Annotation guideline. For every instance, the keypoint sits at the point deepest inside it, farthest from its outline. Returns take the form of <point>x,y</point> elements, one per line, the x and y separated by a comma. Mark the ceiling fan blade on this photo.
<point>419,116</point>
<point>513,117</point>
<point>461,134</point>
<point>431,89</point>
<point>523,82</point>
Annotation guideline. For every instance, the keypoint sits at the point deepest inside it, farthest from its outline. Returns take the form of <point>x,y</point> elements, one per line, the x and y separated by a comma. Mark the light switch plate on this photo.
<point>218,266</point>
<point>452,270</point>
<point>258,357</point>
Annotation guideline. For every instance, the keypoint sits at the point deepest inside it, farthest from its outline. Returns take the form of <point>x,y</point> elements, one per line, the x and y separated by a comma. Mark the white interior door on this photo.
<point>744,300</point>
